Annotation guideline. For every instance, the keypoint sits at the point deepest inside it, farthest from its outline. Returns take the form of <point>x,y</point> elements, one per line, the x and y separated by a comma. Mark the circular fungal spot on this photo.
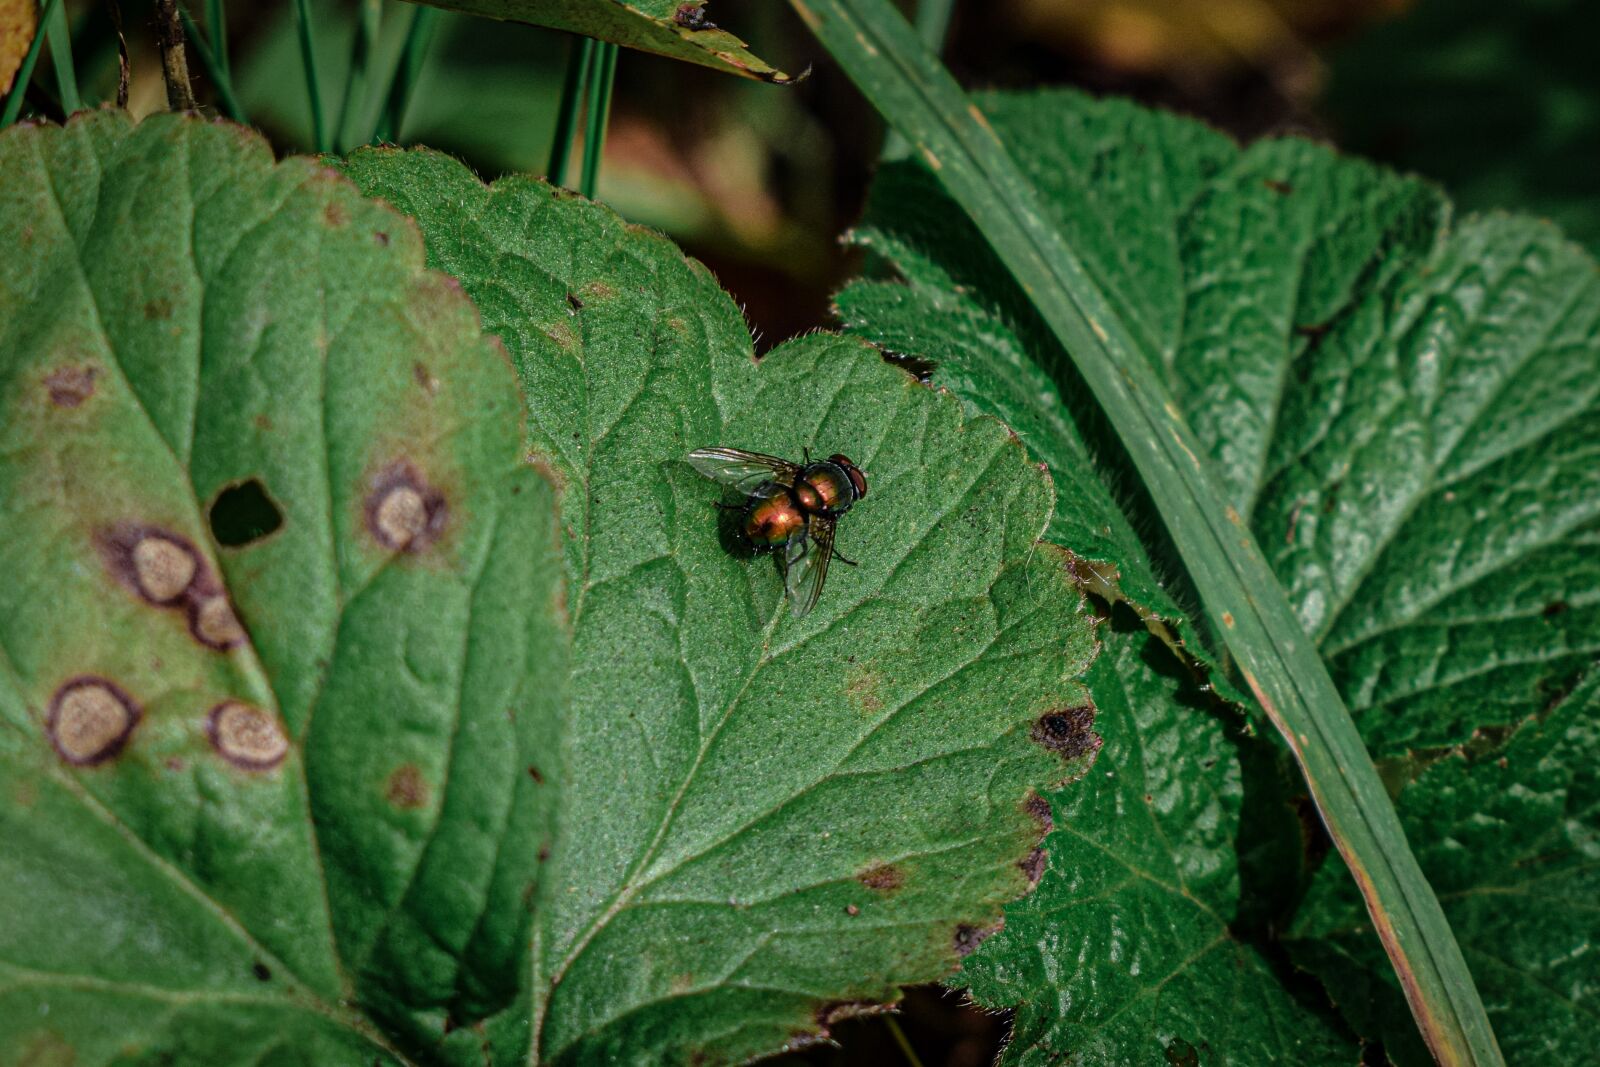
<point>70,386</point>
<point>213,622</point>
<point>401,516</point>
<point>404,514</point>
<point>406,788</point>
<point>90,721</point>
<point>246,736</point>
<point>162,567</point>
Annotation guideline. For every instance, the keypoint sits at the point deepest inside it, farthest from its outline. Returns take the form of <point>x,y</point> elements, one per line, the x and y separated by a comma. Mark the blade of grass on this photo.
<point>933,24</point>
<point>404,80</point>
<point>909,86</point>
<point>212,62</point>
<point>579,63</point>
<point>19,84</point>
<point>57,30</point>
<point>308,59</point>
<point>217,31</point>
<point>369,22</point>
<point>602,75</point>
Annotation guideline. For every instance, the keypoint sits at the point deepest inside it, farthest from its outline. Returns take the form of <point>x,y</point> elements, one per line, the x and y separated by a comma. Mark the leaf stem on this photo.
<point>1282,667</point>
<point>308,60</point>
<point>404,82</point>
<point>19,85</point>
<point>572,91</point>
<point>54,25</point>
<point>601,78</point>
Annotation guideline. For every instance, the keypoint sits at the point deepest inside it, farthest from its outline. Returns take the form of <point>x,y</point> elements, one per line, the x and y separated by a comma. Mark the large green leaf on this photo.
<point>492,748</point>
<point>669,28</point>
<point>244,786</point>
<point>1406,414</point>
<point>748,796</point>
<point>1509,839</point>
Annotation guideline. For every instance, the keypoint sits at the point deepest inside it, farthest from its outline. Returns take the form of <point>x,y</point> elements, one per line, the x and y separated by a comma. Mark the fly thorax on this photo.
<point>830,485</point>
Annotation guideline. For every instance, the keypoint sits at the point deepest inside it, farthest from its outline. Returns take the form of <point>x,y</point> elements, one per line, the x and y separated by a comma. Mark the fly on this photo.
<point>790,506</point>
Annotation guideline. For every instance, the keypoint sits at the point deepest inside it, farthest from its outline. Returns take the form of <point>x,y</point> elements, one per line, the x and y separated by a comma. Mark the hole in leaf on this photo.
<point>244,513</point>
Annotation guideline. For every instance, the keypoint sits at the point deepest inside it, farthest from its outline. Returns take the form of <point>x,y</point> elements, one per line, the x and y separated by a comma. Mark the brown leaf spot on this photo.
<point>246,736</point>
<point>213,623</point>
<point>884,877</point>
<point>163,567</point>
<point>382,239</point>
<point>693,17</point>
<point>262,972</point>
<point>70,386</point>
<point>968,937</point>
<point>46,1048</point>
<point>403,512</point>
<point>533,772</point>
<point>429,383</point>
<point>1033,865</point>
<point>1279,187</point>
<point>1038,807</point>
<point>1067,731</point>
<point>335,215</point>
<point>852,910</point>
<point>159,308</point>
<point>862,689</point>
<point>406,789</point>
<point>598,291</point>
<point>1554,608</point>
<point>90,720</point>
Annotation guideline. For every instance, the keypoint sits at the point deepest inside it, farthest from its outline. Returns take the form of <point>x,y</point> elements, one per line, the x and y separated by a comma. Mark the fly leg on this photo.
<point>840,557</point>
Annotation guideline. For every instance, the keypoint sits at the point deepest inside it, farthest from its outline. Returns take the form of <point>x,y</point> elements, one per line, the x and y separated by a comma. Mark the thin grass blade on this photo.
<point>212,62</point>
<point>19,84</point>
<point>56,28</point>
<point>602,76</point>
<point>419,35</point>
<point>572,93</point>
<point>308,59</point>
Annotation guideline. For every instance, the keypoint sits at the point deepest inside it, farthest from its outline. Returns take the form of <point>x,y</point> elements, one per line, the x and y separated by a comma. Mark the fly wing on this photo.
<point>742,470</point>
<point>806,564</point>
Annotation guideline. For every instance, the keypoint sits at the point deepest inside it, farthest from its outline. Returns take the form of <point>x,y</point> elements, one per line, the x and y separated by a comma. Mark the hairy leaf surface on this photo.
<point>1403,411</point>
<point>768,822</point>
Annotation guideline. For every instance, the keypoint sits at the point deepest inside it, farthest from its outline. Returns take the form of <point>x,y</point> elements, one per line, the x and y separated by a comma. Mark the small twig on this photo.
<point>174,60</point>
<point>123,71</point>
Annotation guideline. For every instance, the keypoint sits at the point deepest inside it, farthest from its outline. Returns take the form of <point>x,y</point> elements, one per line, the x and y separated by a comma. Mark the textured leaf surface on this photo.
<point>227,773</point>
<point>1508,839</point>
<point>1406,414</point>
<point>768,822</point>
<point>670,28</point>
<point>1141,945</point>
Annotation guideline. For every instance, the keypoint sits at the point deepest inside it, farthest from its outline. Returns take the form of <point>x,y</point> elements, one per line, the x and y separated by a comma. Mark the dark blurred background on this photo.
<point>1499,102</point>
